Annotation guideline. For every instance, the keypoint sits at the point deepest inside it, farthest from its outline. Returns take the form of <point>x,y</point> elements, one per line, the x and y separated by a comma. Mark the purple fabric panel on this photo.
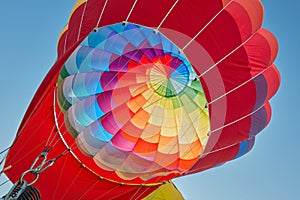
<point>258,121</point>
<point>134,55</point>
<point>159,52</point>
<point>119,64</point>
<point>175,63</point>
<point>251,142</point>
<point>149,53</point>
<point>112,34</point>
<point>261,91</point>
<point>109,80</point>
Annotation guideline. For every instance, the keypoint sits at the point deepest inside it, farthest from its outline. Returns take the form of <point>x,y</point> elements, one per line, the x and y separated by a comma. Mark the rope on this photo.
<point>87,190</point>
<point>224,126</point>
<point>136,192</point>
<point>81,20</point>
<point>142,193</point>
<point>230,53</point>
<point>4,183</point>
<point>220,149</point>
<point>21,130</point>
<point>244,83</point>
<point>2,160</point>
<point>65,41</point>
<point>126,20</point>
<point>3,151</point>
<point>53,142</point>
<point>29,138</point>
<point>16,139</point>
<point>207,25</point>
<point>107,192</point>
<point>49,142</point>
<point>228,146</point>
<point>170,10</point>
<point>100,17</point>
<point>70,184</point>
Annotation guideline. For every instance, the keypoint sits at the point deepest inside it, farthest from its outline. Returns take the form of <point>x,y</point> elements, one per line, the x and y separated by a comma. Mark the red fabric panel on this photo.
<point>236,132</point>
<point>252,14</point>
<point>148,8</point>
<point>61,44</point>
<point>212,159</point>
<point>88,23</point>
<point>273,77</point>
<point>223,35</point>
<point>74,24</point>
<point>241,68</point>
<point>269,112</point>
<point>116,11</point>
<point>248,61</point>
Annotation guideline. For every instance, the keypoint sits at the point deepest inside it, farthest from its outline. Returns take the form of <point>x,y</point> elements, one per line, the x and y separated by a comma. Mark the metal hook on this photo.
<point>37,169</point>
<point>44,157</point>
<point>21,180</point>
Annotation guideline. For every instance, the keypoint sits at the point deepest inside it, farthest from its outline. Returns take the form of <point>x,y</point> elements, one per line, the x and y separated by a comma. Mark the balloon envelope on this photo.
<point>180,87</point>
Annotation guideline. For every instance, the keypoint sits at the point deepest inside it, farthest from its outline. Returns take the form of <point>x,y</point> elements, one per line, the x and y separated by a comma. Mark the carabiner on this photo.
<point>32,172</point>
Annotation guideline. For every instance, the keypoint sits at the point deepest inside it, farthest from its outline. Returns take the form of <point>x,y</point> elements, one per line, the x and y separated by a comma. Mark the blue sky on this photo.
<point>28,38</point>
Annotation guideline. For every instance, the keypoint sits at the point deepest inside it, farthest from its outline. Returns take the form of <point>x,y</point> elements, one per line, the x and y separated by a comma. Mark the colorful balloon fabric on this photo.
<point>144,91</point>
<point>133,102</point>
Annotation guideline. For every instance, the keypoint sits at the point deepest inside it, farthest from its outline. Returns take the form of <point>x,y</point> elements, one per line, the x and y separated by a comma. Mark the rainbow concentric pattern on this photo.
<point>133,102</point>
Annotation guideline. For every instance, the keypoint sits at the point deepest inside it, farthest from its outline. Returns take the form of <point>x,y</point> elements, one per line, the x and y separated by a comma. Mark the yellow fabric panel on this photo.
<point>203,127</point>
<point>138,89</point>
<point>157,115</point>
<point>187,132</point>
<point>168,145</point>
<point>169,125</point>
<point>190,151</point>
<point>136,103</point>
<point>151,133</point>
<point>167,191</point>
<point>77,4</point>
<point>140,119</point>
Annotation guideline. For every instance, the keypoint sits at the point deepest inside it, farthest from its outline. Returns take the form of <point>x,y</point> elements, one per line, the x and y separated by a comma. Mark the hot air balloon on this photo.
<point>143,92</point>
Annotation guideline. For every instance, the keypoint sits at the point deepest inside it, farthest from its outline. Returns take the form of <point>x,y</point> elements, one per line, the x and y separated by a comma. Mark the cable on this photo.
<point>100,17</point>
<point>80,25</point>
<point>170,10</point>
<point>131,10</point>
<point>3,151</point>
<point>4,183</point>
<point>207,24</point>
